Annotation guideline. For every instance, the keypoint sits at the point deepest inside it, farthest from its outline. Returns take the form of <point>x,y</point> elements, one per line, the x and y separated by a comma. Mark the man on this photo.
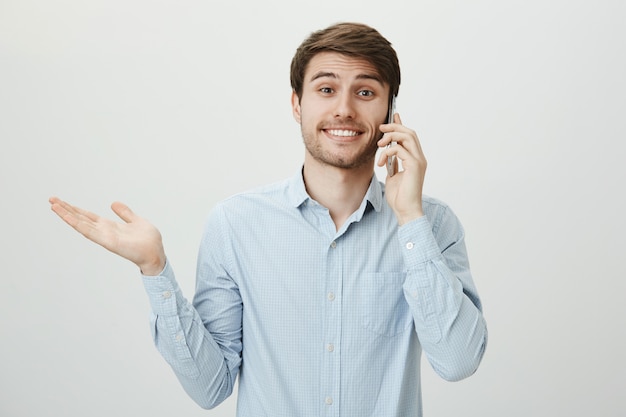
<point>320,291</point>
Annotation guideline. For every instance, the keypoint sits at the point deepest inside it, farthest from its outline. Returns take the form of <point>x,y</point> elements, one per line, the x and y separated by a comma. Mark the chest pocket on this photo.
<point>382,306</point>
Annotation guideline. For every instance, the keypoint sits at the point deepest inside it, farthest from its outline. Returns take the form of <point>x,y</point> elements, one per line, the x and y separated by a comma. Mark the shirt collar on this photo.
<point>297,194</point>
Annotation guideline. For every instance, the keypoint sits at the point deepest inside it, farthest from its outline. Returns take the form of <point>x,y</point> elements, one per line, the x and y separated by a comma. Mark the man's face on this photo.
<point>344,100</point>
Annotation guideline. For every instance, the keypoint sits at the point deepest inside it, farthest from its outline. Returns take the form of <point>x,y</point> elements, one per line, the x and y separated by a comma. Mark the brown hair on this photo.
<point>351,39</point>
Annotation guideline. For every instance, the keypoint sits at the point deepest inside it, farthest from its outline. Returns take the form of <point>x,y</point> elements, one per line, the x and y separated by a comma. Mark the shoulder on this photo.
<point>272,191</point>
<point>254,201</point>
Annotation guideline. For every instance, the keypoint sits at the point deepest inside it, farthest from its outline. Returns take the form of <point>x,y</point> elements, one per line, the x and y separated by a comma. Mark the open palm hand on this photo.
<point>136,239</point>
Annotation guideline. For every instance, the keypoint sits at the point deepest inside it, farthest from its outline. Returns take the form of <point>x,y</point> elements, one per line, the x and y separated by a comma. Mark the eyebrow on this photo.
<point>365,76</point>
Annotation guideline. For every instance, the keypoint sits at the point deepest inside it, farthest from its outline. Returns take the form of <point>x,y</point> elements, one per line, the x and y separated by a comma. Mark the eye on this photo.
<point>365,93</point>
<point>326,90</point>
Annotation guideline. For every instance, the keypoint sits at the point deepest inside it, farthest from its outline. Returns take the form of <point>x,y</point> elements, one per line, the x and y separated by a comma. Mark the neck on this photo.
<point>340,190</point>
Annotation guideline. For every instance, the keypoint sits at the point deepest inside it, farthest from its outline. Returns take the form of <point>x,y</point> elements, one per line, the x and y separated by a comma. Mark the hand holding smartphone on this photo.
<point>391,165</point>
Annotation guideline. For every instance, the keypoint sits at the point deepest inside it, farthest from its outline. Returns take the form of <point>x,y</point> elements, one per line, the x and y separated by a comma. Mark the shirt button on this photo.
<point>329,400</point>
<point>330,347</point>
<point>409,245</point>
<point>331,296</point>
<point>333,244</point>
<point>179,337</point>
<point>167,294</point>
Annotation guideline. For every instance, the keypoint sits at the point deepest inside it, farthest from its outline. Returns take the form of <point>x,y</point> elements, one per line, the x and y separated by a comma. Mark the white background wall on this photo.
<point>171,106</point>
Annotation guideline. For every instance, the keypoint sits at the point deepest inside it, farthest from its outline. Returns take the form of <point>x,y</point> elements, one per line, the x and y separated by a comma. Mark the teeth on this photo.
<point>343,132</point>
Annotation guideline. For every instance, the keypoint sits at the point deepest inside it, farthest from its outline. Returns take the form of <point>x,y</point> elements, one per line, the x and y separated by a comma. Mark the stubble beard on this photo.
<point>315,149</point>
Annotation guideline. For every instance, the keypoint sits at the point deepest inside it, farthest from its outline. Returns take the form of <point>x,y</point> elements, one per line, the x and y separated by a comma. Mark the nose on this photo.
<point>344,107</point>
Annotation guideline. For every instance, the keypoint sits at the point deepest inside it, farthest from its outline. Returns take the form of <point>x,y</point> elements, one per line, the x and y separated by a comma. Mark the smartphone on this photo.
<point>391,166</point>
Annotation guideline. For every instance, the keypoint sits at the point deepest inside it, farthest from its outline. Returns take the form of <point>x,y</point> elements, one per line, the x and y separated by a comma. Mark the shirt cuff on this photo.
<point>418,242</point>
<point>163,291</point>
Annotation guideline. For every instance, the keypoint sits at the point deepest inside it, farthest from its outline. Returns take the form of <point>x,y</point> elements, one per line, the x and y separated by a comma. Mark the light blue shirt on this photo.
<point>315,321</point>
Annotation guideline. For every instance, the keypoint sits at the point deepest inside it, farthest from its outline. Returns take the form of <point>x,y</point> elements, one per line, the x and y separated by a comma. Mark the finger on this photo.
<point>384,140</point>
<point>390,152</point>
<point>62,212</point>
<point>403,154</point>
<point>382,159</point>
<point>396,133</point>
<point>396,120</point>
<point>55,204</point>
<point>123,211</point>
<point>79,213</point>
<point>83,221</point>
<point>58,203</point>
<point>77,221</point>
<point>409,141</point>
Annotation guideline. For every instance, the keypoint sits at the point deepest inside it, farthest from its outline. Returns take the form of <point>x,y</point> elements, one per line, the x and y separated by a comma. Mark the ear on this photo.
<point>295,106</point>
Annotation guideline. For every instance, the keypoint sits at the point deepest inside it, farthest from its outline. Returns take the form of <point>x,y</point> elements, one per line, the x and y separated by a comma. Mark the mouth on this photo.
<point>343,134</point>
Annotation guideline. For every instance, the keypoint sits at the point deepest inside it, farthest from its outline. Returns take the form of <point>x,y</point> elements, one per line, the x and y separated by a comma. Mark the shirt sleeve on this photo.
<point>442,296</point>
<point>206,371</point>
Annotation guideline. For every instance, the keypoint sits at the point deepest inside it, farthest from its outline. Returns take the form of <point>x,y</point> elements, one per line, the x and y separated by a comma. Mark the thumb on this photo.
<point>123,211</point>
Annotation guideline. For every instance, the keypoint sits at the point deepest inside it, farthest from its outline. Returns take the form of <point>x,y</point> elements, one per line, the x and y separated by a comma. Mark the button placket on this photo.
<point>330,381</point>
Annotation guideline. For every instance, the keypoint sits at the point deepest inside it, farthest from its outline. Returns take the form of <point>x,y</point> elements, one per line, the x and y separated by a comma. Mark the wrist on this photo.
<point>153,267</point>
<point>404,218</point>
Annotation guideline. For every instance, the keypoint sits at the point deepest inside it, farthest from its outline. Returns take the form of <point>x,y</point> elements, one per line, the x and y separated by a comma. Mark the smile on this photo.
<point>343,133</point>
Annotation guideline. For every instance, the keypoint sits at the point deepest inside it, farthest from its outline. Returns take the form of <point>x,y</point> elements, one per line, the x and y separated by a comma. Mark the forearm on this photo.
<point>180,336</point>
<point>444,302</point>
